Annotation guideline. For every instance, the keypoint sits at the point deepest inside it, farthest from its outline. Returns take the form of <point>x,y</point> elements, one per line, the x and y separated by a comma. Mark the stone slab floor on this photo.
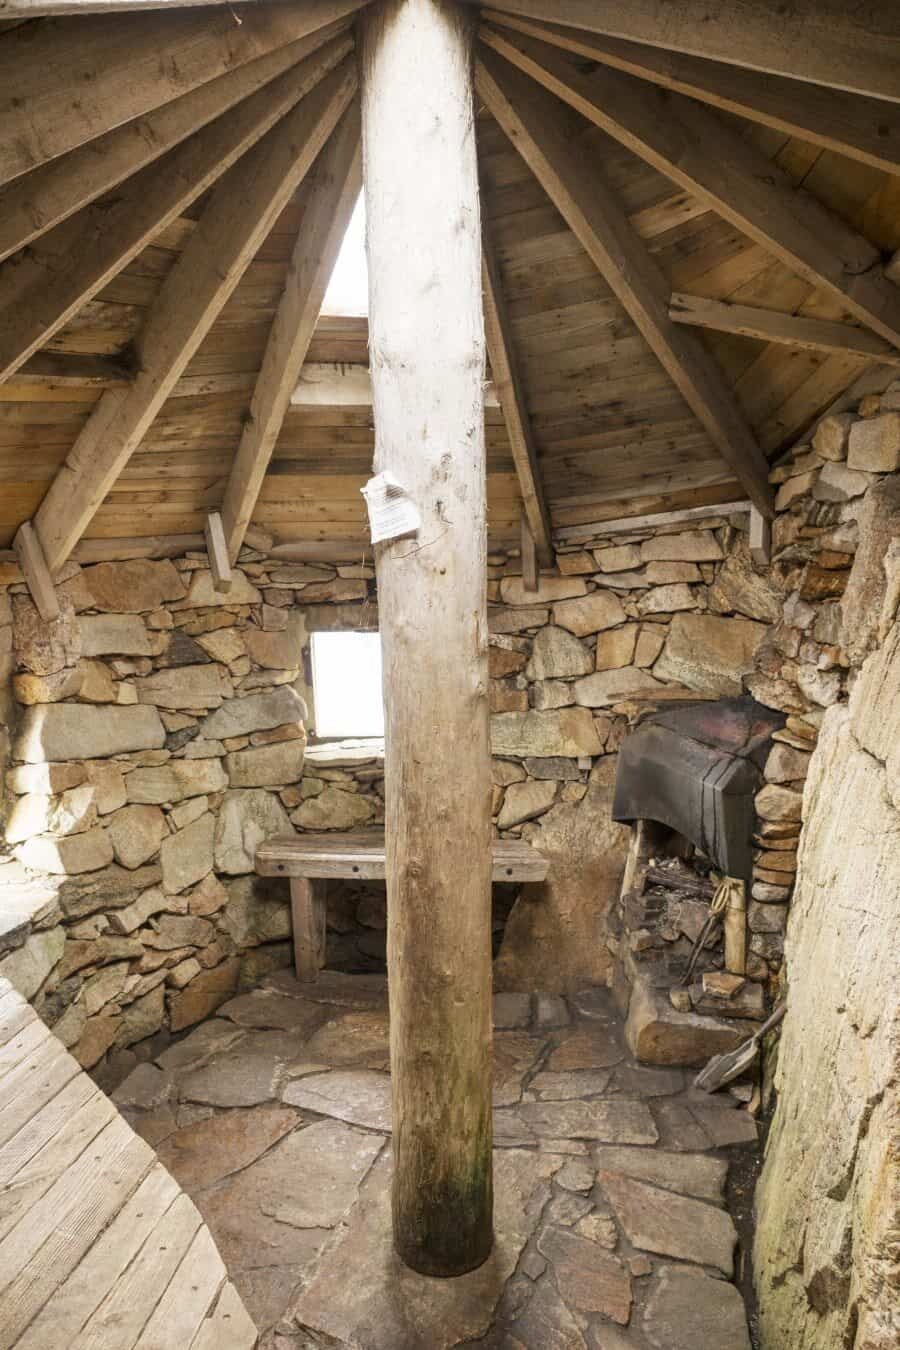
<point>611,1226</point>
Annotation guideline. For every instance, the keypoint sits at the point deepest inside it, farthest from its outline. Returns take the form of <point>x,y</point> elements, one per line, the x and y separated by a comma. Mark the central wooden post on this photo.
<point>426,336</point>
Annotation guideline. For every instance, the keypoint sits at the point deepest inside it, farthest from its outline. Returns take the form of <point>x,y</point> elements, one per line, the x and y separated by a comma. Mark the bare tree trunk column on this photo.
<point>427,359</point>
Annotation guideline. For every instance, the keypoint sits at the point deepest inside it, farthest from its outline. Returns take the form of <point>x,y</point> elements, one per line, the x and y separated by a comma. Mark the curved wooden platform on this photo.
<point>99,1247</point>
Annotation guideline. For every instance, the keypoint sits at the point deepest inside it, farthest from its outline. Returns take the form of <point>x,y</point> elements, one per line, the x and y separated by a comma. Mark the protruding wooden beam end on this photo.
<point>760,538</point>
<point>217,549</point>
<point>529,557</point>
<point>27,548</point>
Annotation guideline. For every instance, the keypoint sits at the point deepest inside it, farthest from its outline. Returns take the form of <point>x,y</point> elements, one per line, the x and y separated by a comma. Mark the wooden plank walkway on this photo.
<point>99,1247</point>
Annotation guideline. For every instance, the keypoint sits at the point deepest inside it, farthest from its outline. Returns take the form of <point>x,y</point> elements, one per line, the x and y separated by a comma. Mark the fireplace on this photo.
<point>686,782</point>
<point>697,769</point>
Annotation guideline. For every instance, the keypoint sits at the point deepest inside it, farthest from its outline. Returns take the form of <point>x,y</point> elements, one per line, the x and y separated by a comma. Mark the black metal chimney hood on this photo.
<point>697,767</point>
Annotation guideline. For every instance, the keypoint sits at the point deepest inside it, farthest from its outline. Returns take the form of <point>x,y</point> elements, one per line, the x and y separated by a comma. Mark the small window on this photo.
<point>346,673</point>
<point>348,290</point>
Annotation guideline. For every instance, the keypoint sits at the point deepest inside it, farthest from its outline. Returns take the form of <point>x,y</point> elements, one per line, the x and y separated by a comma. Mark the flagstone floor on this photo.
<point>610,1219</point>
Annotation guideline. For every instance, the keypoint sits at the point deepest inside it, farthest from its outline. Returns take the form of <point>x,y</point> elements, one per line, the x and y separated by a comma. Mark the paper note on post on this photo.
<point>392,512</point>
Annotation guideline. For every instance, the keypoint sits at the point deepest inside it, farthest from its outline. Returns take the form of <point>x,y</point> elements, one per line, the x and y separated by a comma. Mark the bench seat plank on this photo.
<point>360,856</point>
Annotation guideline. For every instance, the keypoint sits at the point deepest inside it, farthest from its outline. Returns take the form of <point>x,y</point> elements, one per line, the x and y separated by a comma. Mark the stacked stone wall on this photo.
<point>157,732</point>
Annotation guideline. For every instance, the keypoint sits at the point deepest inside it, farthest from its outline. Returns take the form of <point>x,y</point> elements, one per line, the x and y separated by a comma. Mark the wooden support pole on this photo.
<point>427,358</point>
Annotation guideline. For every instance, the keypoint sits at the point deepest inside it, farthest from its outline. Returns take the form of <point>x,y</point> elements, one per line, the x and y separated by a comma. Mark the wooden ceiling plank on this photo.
<point>504,370</point>
<point>36,202</point>
<point>865,129</point>
<point>43,289</point>
<point>536,125</point>
<point>338,179</point>
<point>856,48</point>
<point>30,557</point>
<point>57,370</point>
<point>696,149</point>
<point>242,210</point>
<point>66,82</point>
<point>769,325</point>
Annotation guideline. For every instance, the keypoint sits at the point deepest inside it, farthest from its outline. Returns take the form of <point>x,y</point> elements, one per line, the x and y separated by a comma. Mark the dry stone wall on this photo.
<point>826,1254</point>
<point>156,735</point>
<point>156,732</point>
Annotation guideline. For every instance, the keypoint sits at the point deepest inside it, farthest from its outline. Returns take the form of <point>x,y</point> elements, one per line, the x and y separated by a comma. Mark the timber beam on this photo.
<point>792,330</point>
<point>242,210</point>
<point>856,48</point>
<point>67,82</point>
<point>498,335</point>
<point>337,180</point>
<point>43,289</point>
<point>865,129</point>
<point>536,124</point>
<point>702,154</point>
<point>34,203</point>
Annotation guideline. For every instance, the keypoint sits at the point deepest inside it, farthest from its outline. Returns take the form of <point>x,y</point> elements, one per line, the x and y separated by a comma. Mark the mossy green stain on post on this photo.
<point>450,1231</point>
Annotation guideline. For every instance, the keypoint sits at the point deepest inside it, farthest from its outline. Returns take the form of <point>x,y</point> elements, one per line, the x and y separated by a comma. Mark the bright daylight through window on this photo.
<point>346,671</point>
<point>348,289</point>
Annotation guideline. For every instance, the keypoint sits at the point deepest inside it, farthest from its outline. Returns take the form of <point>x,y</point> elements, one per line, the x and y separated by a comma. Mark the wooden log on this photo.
<point>427,345</point>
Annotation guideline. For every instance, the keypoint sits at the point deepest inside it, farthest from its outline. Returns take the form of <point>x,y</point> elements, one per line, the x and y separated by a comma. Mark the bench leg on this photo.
<point>308,917</point>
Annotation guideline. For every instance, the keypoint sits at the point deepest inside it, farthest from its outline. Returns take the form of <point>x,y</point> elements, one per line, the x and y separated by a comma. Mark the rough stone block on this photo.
<point>67,731</point>
<point>67,856</point>
<point>116,635</point>
<point>709,653</point>
<point>187,857</point>
<point>874,444</point>
<point>590,613</point>
<point>691,546</point>
<point>563,732</point>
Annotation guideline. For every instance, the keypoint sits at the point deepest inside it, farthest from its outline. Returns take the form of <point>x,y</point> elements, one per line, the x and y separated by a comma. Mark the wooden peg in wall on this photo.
<point>529,557</point>
<point>217,549</point>
<point>30,555</point>
<point>760,538</point>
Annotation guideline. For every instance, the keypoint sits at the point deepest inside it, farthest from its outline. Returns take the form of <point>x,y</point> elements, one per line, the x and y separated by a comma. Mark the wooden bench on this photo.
<point>309,860</point>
